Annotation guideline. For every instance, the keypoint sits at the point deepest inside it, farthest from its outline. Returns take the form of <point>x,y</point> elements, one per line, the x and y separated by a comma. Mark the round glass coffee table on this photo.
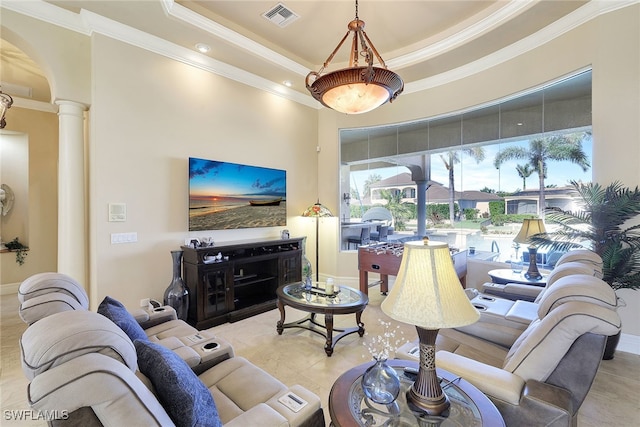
<point>348,406</point>
<point>344,300</point>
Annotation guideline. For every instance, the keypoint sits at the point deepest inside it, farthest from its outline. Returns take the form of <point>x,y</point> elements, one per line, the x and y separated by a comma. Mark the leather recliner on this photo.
<point>84,370</point>
<point>519,291</point>
<point>544,377</point>
<point>503,320</point>
<point>44,294</point>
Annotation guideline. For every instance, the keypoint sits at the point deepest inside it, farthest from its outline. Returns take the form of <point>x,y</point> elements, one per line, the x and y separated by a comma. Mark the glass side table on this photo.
<point>348,406</point>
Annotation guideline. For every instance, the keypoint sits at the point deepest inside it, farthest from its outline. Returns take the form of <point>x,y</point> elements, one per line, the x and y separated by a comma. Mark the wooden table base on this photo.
<point>325,330</point>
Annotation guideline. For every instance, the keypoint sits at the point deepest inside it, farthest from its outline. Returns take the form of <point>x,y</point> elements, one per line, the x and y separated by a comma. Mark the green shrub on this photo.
<point>470,214</point>
<point>496,207</point>
<point>502,219</point>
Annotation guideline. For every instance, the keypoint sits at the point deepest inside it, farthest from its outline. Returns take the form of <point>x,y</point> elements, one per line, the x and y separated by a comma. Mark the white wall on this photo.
<point>149,114</point>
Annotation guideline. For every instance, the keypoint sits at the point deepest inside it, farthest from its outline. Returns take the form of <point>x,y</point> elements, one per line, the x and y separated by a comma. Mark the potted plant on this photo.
<point>600,224</point>
<point>19,249</point>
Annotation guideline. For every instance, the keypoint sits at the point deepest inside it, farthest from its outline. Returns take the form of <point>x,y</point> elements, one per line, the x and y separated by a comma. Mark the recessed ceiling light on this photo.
<point>287,83</point>
<point>520,124</point>
<point>204,48</point>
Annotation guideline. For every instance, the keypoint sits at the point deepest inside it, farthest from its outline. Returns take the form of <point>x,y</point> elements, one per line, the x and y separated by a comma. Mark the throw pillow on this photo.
<point>118,314</point>
<point>185,398</point>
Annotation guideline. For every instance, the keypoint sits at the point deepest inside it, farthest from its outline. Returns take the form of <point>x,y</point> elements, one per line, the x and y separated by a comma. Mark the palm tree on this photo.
<point>400,211</point>
<point>543,150</point>
<point>371,179</point>
<point>450,158</point>
<point>524,172</point>
<point>599,224</point>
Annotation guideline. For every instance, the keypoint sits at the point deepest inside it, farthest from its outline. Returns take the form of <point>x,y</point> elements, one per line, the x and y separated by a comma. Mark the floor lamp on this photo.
<point>317,211</point>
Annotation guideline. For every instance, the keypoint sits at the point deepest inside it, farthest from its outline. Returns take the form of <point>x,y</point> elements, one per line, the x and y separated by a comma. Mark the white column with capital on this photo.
<point>72,230</point>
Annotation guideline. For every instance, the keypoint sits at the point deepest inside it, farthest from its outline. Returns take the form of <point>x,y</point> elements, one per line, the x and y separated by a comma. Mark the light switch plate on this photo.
<point>117,212</point>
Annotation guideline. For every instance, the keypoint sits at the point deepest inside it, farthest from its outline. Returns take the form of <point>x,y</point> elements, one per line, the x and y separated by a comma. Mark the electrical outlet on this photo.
<point>144,302</point>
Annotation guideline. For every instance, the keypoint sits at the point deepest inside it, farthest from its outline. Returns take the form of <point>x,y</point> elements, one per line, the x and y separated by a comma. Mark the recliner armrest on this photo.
<point>157,316</point>
<point>520,289</point>
<point>541,404</point>
<point>492,381</point>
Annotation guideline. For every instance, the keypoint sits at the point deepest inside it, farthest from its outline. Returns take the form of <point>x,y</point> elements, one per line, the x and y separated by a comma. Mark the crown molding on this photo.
<point>31,104</point>
<point>580,16</point>
<point>88,23</point>
<point>48,12</point>
<point>473,31</point>
<point>190,17</point>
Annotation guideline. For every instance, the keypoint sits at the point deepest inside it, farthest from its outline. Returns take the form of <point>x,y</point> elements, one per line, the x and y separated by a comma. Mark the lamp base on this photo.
<point>426,395</point>
<point>533,273</point>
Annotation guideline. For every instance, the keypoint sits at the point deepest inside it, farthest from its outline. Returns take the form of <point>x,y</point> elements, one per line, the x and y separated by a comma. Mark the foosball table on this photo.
<point>385,258</point>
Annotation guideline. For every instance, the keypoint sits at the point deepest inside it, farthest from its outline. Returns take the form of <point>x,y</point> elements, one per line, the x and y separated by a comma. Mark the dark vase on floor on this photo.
<point>610,348</point>
<point>177,294</point>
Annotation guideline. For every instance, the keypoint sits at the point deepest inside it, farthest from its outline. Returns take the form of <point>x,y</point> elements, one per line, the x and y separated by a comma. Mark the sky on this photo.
<point>207,177</point>
<point>472,176</point>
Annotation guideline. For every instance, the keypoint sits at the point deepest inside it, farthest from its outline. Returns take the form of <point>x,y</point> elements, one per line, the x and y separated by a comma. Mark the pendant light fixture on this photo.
<point>357,89</point>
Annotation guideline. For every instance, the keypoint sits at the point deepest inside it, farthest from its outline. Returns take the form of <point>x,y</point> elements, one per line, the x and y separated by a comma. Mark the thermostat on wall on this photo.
<point>117,212</point>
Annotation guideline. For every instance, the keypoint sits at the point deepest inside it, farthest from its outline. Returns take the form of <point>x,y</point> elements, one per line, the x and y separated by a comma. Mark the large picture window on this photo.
<point>468,178</point>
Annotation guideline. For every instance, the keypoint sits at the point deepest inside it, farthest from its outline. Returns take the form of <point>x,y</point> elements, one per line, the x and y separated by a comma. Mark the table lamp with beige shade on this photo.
<point>531,227</point>
<point>428,294</point>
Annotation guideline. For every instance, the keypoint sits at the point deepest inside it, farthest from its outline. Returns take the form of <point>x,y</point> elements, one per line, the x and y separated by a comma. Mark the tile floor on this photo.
<point>298,357</point>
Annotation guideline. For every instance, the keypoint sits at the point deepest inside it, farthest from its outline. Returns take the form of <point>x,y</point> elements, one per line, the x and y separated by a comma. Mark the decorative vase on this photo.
<point>381,383</point>
<point>610,347</point>
<point>307,271</point>
<point>177,294</point>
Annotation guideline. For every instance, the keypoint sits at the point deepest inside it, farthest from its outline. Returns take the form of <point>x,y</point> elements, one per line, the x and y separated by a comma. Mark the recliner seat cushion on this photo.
<point>185,398</point>
<point>457,342</point>
<point>118,314</point>
<point>237,386</point>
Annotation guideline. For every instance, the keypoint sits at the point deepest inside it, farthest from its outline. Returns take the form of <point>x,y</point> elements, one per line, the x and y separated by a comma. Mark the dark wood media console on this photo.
<point>242,283</point>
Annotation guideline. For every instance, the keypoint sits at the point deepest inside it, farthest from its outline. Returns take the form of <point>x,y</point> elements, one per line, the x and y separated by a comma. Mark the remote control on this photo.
<point>293,401</point>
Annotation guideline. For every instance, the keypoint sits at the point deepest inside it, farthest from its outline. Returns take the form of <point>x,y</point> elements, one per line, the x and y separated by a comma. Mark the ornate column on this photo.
<point>72,230</point>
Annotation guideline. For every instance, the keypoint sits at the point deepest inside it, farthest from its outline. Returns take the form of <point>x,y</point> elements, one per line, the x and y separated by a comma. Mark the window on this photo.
<point>489,156</point>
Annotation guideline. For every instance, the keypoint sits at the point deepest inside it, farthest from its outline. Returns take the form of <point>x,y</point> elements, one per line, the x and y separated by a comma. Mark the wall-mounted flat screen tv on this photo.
<point>225,195</point>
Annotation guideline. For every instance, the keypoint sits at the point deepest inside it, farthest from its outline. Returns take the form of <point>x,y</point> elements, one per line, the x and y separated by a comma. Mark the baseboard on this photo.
<point>9,288</point>
<point>629,344</point>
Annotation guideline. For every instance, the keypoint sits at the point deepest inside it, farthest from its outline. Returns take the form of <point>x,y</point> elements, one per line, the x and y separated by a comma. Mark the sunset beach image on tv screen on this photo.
<point>225,195</point>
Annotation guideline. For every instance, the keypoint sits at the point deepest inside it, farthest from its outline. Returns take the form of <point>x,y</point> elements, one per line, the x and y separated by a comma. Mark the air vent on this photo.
<point>280,15</point>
